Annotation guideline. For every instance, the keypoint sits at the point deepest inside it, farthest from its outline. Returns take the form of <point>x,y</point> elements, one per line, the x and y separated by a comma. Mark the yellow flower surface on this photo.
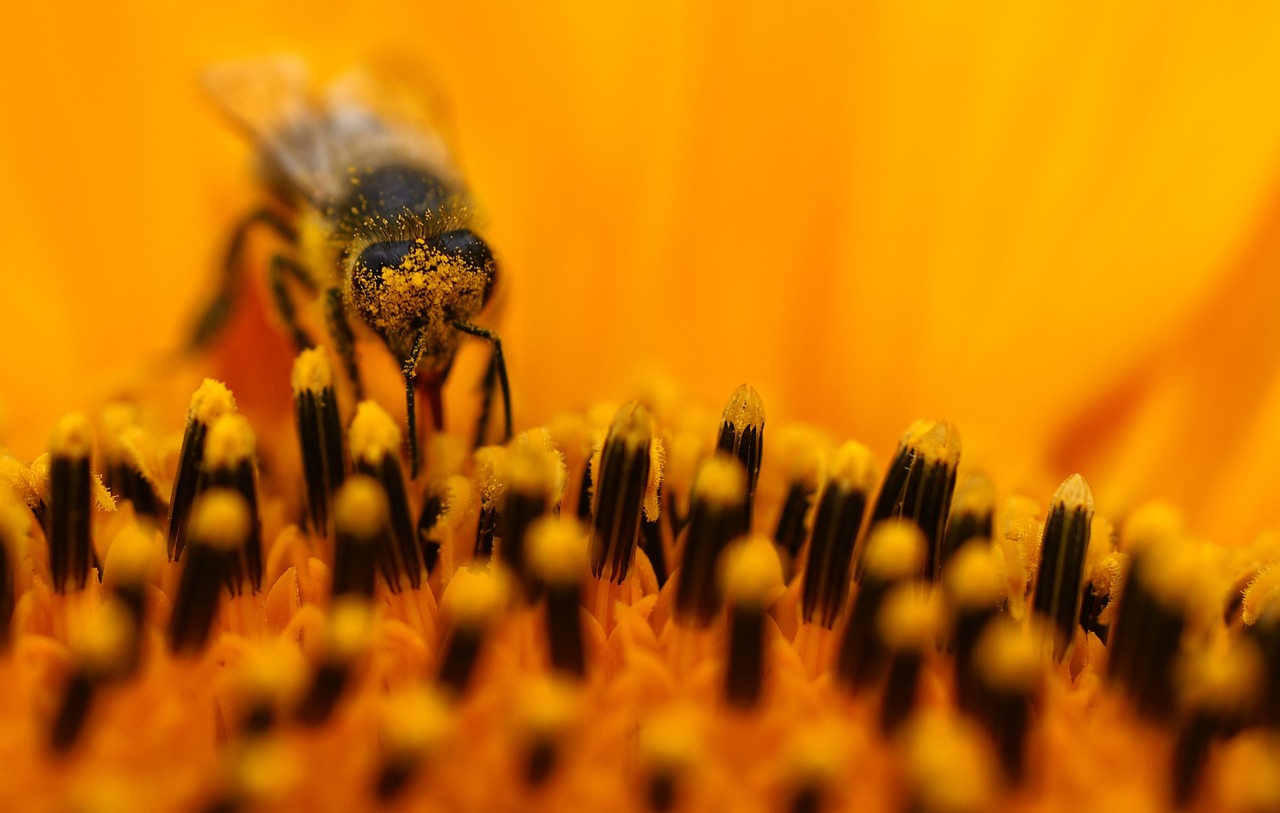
<point>1052,225</point>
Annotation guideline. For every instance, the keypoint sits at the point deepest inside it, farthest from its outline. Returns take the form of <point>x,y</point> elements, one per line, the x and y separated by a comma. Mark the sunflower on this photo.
<point>1051,226</point>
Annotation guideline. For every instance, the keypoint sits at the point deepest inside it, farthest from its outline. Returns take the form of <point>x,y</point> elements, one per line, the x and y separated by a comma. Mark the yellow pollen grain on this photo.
<point>492,465</point>
<point>373,436</point>
<point>934,440</point>
<point>908,619</point>
<point>745,408</point>
<point>895,549</point>
<point>72,437</point>
<point>103,500</point>
<point>972,577</point>
<point>416,720</point>
<point>360,508</point>
<point>721,482</point>
<point>854,467</point>
<point>229,443</point>
<point>265,770</point>
<point>312,371</point>
<point>220,519</point>
<point>1074,494</point>
<point>817,753</point>
<point>475,595</point>
<point>1008,656</point>
<point>558,549</point>
<point>751,573</point>
<point>211,401</point>
<point>1179,577</point>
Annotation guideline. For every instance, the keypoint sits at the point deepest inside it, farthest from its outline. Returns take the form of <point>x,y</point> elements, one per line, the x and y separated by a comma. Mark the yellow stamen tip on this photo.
<point>751,573</point>
<point>312,371</point>
<point>72,437</point>
<point>720,482</point>
<point>360,508</point>
<point>854,467</point>
<point>220,519</point>
<point>908,620</point>
<point>895,549</point>
<point>475,595</point>
<point>973,578</point>
<point>558,549</point>
<point>373,436</point>
<point>1074,493</point>
<point>1009,657</point>
<point>934,440</point>
<point>211,401</point>
<point>230,442</point>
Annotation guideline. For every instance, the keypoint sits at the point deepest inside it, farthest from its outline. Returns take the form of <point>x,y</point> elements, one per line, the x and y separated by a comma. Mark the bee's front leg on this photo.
<point>498,364</point>
<point>216,313</point>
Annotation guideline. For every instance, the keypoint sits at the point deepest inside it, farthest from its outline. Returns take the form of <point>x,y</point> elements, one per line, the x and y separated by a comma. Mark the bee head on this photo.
<point>401,286</point>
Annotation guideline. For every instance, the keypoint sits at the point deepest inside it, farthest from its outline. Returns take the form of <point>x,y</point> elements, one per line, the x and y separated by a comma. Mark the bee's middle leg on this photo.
<point>343,339</point>
<point>282,267</point>
<point>216,313</point>
<point>497,369</point>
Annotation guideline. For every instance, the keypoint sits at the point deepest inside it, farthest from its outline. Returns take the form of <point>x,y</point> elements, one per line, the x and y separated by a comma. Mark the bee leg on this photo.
<point>497,362</point>
<point>281,267</point>
<point>410,370</point>
<point>216,313</point>
<point>486,399</point>
<point>343,339</point>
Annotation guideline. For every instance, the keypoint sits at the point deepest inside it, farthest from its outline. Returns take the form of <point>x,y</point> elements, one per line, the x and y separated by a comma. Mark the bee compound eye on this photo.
<point>377,257</point>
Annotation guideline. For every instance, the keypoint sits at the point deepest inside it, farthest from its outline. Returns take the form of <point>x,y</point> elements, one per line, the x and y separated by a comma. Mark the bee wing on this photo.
<point>273,102</point>
<point>385,107</point>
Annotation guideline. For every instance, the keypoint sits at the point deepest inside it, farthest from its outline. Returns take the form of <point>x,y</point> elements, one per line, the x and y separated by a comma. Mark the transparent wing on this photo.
<point>272,101</point>
<point>386,108</point>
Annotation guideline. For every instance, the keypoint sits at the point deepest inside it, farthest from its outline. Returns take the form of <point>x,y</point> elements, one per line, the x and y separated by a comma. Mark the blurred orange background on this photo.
<point>1052,223</point>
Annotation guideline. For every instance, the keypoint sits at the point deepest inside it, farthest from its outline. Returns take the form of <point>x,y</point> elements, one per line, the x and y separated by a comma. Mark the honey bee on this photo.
<point>377,222</point>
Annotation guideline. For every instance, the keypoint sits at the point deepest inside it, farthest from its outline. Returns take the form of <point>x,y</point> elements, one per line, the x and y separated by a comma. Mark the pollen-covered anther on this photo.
<point>229,462</point>
<point>558,559</point>
<point>671,754</point>
<point>894,552</point>
<point>130,464</point>
<point>220,525</point>
<point>212,400</point>
<point>802,454</point>
<point>716,518</point>
<point>751,579</point>
<point>101,654</point>
<point>908,624</point>
<point>836,526</point>
<point>625,486</point>
<point>319,428</point>
<point>348,632</point>
<point>1063,546</point>
<point>474,598</point>
<point>918,485</point>
<point>491,475</point>
<point>947,766</point>
<point>415,723</point>
<point>547,709</point>
<point>741,436</point>
<point>536,477</point>
<point>1010,667</point>
<point>973,509</point>
<point>360,514</point>
<point>70,504</point>
<point>375,443</point>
